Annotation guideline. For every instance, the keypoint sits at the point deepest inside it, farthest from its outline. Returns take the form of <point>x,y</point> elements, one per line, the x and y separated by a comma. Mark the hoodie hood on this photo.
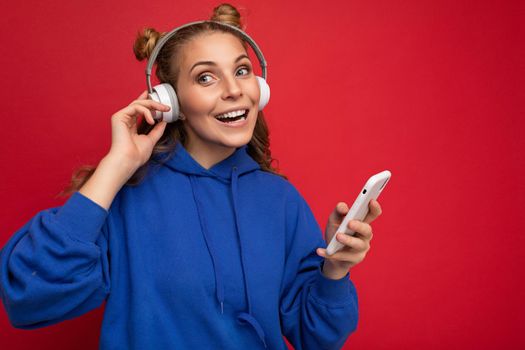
<point>227,171</point>
<point>181,161</point>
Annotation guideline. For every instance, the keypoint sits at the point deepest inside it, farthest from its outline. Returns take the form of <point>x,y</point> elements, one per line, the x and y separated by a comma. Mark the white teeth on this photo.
<point>231,114</point>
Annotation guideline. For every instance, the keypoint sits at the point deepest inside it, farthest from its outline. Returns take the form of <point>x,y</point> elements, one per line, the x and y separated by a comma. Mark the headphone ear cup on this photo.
<point>265,92</point>
<point>165,94</point>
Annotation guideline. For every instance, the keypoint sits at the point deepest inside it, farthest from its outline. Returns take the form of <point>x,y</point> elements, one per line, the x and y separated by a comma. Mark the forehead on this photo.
<point>217,46</point>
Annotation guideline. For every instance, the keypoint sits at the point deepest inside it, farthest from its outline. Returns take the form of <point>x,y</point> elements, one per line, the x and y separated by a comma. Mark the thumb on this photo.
<point>340,210</point>
<point>156,133</point>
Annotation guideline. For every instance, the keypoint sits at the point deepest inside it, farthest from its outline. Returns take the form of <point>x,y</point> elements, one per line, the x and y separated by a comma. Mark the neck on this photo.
<point>207,155</point>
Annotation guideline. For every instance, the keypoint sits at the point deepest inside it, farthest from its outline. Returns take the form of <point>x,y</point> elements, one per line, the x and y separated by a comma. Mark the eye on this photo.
<point>200,78</point>
<point>245,69</point>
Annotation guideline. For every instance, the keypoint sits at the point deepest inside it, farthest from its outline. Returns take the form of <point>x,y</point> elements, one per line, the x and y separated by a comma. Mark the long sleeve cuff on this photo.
<point>331,291</point>
<point>82,217</point>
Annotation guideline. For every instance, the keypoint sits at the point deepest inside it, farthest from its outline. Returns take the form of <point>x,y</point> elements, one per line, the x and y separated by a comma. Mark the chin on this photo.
<point>238,143</point>
<point>238,140</point>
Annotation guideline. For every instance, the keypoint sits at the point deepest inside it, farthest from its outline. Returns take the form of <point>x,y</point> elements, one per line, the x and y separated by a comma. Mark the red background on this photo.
<point>431,90</point>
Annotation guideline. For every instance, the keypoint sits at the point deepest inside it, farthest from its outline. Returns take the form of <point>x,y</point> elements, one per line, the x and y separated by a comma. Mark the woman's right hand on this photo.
<point>126,144</point>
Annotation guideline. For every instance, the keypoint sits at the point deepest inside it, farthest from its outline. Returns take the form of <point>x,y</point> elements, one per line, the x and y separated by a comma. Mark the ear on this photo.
<point>182,116</point>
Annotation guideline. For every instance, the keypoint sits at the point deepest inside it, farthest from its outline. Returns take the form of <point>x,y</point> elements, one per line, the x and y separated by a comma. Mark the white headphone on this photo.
<point>165,93</point>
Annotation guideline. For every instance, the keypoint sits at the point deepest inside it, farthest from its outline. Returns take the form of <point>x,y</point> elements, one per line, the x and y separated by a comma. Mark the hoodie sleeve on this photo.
<point>55,267</point>
<point>316,312</point>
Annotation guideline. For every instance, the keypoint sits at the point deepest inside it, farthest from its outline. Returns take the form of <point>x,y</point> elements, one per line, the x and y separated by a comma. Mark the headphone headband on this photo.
<point>166,37</point>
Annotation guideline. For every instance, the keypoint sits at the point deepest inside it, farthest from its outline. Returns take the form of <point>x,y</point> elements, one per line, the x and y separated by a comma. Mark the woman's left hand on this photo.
<point>355,247</point>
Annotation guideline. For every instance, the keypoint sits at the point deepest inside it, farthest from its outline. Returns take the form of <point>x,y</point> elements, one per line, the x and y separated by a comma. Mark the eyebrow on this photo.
<point>211,63</point>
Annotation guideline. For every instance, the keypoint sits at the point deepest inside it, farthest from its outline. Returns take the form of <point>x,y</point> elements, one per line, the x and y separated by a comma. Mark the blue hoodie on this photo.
<point>190,258</point>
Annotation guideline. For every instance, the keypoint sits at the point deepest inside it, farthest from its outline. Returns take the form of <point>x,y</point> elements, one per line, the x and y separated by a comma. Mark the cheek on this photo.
<point>254,91</point>
<point>196,102</point>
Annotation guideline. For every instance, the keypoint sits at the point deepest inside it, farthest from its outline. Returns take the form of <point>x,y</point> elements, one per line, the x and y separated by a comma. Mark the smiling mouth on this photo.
<point>232,117</point>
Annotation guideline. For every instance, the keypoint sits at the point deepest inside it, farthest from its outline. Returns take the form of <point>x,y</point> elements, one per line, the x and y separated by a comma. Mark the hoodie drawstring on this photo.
<point>242,317</point>
<point>204,229</point>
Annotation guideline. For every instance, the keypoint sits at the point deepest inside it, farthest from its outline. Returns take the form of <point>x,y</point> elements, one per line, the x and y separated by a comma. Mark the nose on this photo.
<point>232,89</point>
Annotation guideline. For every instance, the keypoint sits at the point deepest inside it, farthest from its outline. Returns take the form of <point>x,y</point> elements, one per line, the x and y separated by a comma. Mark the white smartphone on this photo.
<point>373,187</point>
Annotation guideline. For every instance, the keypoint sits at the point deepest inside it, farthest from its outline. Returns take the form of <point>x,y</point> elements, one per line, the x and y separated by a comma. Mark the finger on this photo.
<point>355,243</point>
<point>158,130</point>
<point>134,125</point>
<point>337,215</point>
<point>374,212</point>
<point>136,109</point>
<point>151,104</point>
<point>121,117</point>
<point>146,113</point>
<point>341,255</point>
<point>362,229</point>
<point>342,208</point>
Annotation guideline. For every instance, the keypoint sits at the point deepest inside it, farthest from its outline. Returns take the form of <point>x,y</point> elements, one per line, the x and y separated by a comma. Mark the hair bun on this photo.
<point>226,13</point>
<point>145,43</point>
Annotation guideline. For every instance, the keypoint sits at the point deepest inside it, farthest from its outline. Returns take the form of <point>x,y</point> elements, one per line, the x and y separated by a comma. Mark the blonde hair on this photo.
<point>259,145</point>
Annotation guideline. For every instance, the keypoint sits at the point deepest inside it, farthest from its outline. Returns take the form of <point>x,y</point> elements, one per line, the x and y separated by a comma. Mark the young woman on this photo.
<point>185,229</point>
